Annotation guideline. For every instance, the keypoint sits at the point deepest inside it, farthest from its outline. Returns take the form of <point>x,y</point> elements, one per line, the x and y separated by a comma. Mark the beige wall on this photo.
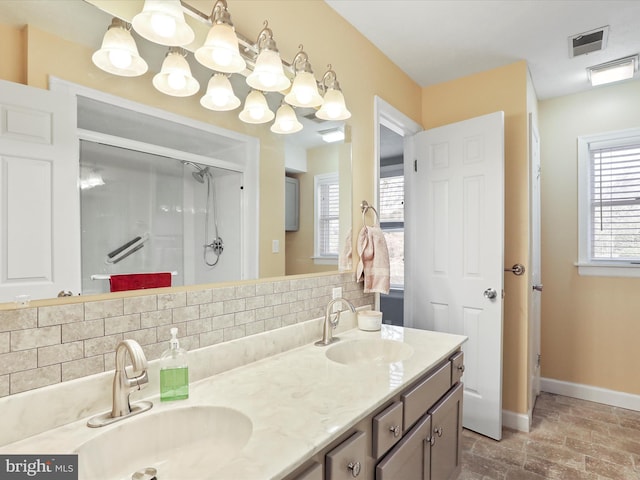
<point>500,89</point>
<point>12,46</point>
<point>590,325</point>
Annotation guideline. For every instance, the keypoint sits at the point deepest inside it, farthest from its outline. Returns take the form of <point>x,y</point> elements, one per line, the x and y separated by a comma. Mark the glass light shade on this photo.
<point>118,54</point>
<point>256,109</point>
<point>304,91</point>
<point>268,74</point>
<point>162,21</point>
<point>175,77</point>
<point>220,51</point>
<point>220,96</point>
<point>333,107</point>
<point>286,121</point>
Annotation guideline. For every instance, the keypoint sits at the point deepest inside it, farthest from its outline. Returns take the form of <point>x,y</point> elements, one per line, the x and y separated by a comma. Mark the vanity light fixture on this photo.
<point>162,21</point>
<point>286,121</point>
<point>304,91</point>
<point>220,96</point>
<point>333,106</point>
<point>175,77</point>
<point>614,71</point>
<point>268,74</point>
<point>119,54</point>
<point>256,109</point>
<point>226,52</point>
<point>221,51</point>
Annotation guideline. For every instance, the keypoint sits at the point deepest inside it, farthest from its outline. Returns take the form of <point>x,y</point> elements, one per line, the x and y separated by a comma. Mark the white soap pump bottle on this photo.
<point>174,371</point>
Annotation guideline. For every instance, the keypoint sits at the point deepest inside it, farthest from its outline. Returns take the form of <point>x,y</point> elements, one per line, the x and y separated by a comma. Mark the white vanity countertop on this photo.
<point>298,402</point>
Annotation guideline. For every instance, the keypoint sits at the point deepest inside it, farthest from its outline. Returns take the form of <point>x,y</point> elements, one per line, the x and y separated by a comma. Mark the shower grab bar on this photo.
<point>123,247</point>
<point>365,207</point>
<point>106,276</point>
<point>127,249</point>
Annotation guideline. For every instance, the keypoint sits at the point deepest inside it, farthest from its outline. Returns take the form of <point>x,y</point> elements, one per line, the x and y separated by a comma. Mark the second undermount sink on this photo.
<point>369,351</point>
<point>185,442</point>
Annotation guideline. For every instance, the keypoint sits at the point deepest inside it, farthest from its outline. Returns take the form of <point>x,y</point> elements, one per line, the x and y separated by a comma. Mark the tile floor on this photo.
<point>570,439</point>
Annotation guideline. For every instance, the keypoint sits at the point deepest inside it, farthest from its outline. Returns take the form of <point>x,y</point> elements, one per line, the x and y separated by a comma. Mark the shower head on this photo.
<point>200,174</point>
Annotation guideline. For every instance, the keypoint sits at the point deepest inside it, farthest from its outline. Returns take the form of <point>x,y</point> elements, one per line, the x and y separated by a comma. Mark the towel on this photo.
<point>345,262</point>
<point>373,267</point>
<point>139,281</point>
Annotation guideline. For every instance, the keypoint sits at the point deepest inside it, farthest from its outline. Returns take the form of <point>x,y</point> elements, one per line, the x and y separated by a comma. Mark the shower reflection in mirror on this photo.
<point>145,212</point>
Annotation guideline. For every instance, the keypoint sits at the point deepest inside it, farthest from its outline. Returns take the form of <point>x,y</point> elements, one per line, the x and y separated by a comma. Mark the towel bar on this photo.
<point>365,207</point>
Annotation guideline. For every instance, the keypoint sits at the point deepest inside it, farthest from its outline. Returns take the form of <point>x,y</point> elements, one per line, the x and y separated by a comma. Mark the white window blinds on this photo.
<point>328,216</point>
<point>615,203</point>
<point>392,199</point>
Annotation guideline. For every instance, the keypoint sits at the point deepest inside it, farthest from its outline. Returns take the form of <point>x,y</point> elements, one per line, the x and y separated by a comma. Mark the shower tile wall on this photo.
<point>45,345</point>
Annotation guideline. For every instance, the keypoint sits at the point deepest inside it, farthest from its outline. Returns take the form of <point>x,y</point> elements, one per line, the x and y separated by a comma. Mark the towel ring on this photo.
<point>365,207</point>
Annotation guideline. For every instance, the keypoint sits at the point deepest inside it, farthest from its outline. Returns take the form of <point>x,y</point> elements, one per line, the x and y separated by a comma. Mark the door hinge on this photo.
<point>538,361</point>
<point>415,165</point>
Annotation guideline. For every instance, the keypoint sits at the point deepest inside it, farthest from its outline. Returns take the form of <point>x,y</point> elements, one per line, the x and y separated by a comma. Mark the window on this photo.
<point>392,220</point>
<point>609,204</point>
<point>327,218</point>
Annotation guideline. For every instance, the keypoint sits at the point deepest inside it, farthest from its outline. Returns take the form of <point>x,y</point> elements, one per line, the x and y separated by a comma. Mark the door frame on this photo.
<point>386,114</point>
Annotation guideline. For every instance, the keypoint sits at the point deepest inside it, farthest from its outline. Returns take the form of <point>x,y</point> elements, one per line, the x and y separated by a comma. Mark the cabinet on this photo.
<point>291,204</point>
<point>414,437</point>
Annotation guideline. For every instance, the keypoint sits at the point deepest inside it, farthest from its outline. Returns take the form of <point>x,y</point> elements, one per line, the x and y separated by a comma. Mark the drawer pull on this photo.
<point>438,431</point>
<point>396,430</point>
<point>431,440</point>
<point>355,468</point>
<point>461,368</point>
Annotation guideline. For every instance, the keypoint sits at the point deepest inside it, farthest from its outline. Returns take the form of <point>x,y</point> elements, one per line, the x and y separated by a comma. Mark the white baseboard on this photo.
<point>516,421</point>
<point>593,394</point>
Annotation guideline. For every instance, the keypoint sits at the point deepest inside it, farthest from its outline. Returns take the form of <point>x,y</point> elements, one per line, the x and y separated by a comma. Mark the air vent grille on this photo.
<point>587,42</point>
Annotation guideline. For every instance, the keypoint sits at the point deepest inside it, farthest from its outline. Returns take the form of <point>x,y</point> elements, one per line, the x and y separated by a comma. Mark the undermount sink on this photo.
<point>369,351</point>
<point>185,442</point>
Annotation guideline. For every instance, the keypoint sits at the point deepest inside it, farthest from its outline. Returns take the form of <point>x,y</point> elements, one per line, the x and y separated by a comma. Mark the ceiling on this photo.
<point>435,41</point>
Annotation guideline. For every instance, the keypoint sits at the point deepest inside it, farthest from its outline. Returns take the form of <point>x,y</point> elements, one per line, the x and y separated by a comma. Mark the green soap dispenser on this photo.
<point>174,371</point>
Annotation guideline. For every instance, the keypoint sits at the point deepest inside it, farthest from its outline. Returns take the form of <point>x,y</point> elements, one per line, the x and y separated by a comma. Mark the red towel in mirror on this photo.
<point>139,281</point>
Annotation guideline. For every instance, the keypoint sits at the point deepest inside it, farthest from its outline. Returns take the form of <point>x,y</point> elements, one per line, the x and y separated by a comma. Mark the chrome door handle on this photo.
<point>490,293</point>
<point>537,288</point>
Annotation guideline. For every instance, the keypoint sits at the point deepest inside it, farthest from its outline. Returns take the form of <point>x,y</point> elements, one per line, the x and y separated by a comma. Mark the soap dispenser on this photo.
<point>174,371</point>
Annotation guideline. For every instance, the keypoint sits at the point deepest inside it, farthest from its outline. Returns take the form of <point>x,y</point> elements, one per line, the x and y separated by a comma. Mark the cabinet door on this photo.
<point>347,460</point>
<point>410,458</point>
<point>446,430</point>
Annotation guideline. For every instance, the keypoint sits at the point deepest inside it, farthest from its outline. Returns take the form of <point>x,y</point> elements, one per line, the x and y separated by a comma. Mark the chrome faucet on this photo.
<point>329,324</point>
<point>123,385</point>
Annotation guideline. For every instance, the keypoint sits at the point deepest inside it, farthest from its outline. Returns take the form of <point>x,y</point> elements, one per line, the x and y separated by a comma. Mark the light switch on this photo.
<point>275,246</point>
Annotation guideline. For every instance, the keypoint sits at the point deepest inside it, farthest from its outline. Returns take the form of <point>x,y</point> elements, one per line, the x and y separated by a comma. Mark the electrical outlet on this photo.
<point>337,292</point>
<point>275,246</point>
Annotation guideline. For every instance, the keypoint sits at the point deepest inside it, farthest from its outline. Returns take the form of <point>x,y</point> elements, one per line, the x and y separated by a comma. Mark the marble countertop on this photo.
<point>297,401</point>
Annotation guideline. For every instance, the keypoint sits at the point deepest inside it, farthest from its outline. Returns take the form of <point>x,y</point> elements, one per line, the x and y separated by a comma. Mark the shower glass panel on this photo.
<point>143,212</point>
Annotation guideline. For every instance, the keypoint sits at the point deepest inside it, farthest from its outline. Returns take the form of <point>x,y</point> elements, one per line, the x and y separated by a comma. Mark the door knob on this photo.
<point>490,293</point>
<point>537,288</point>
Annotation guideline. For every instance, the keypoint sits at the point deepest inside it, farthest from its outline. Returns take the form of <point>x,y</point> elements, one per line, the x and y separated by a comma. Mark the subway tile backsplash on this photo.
<point>46,345</point>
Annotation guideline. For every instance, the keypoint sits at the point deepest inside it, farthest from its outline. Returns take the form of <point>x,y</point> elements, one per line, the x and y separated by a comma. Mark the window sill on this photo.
<point>325,260</point>
<point>608,269</point>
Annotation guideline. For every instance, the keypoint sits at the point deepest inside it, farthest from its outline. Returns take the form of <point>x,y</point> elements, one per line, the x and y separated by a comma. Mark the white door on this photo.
<point>39,206</point>
<point>456,226</point>
<point>535,276</point>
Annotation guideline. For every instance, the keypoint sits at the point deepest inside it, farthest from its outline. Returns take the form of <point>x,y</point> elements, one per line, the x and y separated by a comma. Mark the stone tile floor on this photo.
<point>570,439</point>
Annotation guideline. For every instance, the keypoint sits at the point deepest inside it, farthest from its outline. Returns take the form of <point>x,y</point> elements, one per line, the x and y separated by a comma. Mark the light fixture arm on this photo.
<point>300,62</point>
<point>119,23</point>
<point>265,39</point>
<point>220,14</point>
<point>329,80</point>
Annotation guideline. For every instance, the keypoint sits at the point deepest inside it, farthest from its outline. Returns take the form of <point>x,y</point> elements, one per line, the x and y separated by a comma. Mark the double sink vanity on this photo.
<point>384,405</point>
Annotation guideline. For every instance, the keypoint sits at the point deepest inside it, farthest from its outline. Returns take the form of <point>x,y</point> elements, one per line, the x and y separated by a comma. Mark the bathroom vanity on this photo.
<point>383,405</point>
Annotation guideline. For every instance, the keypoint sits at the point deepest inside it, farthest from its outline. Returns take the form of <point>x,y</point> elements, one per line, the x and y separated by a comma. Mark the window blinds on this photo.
<point>329,219</point>
<point>392,199</point>
<point>615,203</point>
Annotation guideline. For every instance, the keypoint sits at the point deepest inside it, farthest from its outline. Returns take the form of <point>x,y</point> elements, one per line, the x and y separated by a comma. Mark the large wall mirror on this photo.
<point>159,198</point>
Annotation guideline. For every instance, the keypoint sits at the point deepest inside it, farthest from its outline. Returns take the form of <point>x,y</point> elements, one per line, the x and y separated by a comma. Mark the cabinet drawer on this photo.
<point>457,367</point>
<point>347,460</point>
<point>410,458</point>
<point>418,399</point>
<point>387,429</point>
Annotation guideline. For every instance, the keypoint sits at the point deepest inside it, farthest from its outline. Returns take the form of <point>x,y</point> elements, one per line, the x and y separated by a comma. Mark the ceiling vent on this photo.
<point>588,42</point>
